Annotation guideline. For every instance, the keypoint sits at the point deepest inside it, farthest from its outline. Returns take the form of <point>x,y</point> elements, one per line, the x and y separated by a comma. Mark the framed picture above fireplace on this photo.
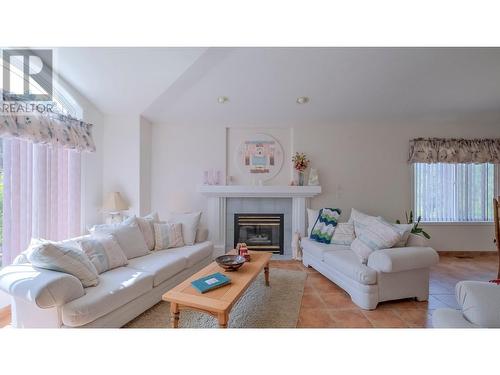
<point>260,156</point>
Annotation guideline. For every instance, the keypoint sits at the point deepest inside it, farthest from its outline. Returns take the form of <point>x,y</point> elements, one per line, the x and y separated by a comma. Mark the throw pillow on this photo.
<point>343,234</point>
<point>189,222</point>
<point>360,217</point>
<point>104,252</point>
<point>404,232</point>
<point>324,227</point>
<point>378,234</point>
<point>168,235</point>
<point>65,258</point>
<point>128,235</point>
<point>146,227</point>
<point>312,215</point>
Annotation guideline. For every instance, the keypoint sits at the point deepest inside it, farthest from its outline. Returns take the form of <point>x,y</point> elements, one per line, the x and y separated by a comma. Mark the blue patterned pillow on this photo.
<point>325,224</point>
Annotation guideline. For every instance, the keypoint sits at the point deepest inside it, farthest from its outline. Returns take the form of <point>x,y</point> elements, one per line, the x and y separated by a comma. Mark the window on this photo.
<point>454,192</point>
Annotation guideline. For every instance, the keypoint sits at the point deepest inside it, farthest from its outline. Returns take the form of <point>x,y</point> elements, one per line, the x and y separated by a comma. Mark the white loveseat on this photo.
<point>390,274</point>
<point>479,307</point>
<point>43,298</point>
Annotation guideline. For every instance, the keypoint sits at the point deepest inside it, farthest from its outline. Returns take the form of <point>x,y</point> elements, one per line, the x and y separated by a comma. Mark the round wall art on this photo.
<point>260,156</point>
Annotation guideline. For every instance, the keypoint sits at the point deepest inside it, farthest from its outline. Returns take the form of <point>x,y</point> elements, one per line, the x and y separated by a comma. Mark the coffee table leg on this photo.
<point>223,319</point>
<point>174,315</point>
<point>266,274</point>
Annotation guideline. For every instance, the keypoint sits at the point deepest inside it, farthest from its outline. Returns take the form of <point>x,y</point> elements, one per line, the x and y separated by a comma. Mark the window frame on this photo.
<point>496,192</point>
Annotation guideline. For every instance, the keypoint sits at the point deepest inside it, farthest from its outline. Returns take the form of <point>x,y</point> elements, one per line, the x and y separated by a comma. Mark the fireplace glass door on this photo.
<point>261,232</point>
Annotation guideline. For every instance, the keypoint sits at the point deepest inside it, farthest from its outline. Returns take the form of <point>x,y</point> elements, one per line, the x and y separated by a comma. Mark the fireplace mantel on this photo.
<point>217,195</point>
<point>269,191</point>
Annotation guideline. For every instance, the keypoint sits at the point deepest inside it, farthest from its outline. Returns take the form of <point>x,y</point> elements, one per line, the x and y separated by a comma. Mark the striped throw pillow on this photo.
<point>324,227</point>
<point>104,252</point>
<point>168,235</point>
<point>375,235</point>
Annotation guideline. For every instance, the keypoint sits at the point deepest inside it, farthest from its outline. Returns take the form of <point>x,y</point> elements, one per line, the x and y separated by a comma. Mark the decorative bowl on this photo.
<point>230,262</point>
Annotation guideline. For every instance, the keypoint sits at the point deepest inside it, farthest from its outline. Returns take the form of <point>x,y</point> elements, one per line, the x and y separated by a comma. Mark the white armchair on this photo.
<point>479,307</point>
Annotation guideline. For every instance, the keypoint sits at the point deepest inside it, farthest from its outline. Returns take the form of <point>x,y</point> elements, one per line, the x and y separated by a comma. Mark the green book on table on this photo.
<point>210,282</point>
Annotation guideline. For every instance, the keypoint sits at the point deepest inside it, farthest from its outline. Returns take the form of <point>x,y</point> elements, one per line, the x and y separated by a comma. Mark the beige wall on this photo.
<point>361,166</point>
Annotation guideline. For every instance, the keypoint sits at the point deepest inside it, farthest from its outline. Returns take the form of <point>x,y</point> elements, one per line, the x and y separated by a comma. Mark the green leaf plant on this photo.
<point>415,230</point>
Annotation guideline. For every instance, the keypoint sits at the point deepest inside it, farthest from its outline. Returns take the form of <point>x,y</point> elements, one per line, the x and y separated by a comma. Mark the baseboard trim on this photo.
<point>469,253</point>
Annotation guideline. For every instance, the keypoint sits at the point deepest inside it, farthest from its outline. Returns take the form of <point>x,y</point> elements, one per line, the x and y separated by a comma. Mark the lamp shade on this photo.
<point>115,202</point>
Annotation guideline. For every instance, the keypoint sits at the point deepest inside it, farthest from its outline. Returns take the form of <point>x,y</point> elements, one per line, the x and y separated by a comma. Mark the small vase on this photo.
<point>301,178</point>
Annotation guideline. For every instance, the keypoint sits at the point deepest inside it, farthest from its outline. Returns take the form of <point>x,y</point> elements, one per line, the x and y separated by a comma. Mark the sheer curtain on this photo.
<point>454,192</point>
<point>41,194</point>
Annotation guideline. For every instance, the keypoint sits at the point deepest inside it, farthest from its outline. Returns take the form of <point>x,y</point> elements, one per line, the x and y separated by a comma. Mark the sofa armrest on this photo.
<point>43,287</point>
<point>480,302</point>
<point>402,259</point>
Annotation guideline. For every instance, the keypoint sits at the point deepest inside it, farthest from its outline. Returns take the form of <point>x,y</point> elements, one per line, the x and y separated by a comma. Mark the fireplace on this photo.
<point>261,232</point>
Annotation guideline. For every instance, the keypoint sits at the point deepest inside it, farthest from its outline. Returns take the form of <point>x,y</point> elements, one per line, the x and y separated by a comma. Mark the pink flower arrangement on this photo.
<point>300,161</point>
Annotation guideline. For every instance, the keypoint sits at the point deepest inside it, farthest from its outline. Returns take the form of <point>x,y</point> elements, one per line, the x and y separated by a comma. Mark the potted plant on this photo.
<point>300,164</point>
<point>416,229</point>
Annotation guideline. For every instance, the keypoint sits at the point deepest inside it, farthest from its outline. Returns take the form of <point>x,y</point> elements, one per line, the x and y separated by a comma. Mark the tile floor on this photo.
<point>325,305</point>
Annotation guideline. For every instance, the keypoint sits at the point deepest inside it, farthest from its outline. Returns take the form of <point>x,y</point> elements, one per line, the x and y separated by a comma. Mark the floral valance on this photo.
<point>55,129</point>
<point>440,150</point>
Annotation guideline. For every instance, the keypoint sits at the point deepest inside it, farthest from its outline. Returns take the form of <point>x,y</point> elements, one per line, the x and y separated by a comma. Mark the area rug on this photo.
<point>276,306</point>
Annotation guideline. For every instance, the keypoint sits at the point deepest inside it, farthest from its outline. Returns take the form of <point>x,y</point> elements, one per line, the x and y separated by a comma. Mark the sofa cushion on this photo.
<point>104,252</point>
<point>162,264</point>
<point>195,253</point>
<point>325,224</point>
<point>128,235</point>
<point>316,249</point>
<point>480,302</point>
<point>146,226</point>
<point>344,234</point>
<point>378,234</point>
<point>116,288</point>
<point>189,223</point>
<point>63,257</point>
<point>168,235</point>
<point>347,262</point>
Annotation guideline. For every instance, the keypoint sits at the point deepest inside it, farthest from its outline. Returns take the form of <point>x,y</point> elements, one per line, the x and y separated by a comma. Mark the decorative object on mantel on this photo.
<point>296,247</point>
<point>115,204</point>
<point>52,129</point>
<point>440,150</point>
<point>261,156</point>
<point>212,177</point>
<point>415,230</point>
<point>313,177</point>
<point>300,164</point>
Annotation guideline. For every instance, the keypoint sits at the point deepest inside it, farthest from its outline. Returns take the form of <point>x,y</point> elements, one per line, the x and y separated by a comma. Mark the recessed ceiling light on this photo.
<point>222,99</point>
<point>302,100</point>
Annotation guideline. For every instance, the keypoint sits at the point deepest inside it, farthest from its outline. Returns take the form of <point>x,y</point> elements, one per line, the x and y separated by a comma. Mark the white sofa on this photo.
<point>479,307</point>
<point>390,274</point>
<point>43,298</point>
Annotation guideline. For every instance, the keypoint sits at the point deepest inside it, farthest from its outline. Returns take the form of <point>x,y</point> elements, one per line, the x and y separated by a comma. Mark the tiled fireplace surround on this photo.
<point>225,201</point>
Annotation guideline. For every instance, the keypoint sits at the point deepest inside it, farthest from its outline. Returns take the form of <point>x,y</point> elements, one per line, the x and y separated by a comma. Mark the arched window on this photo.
<point>40,184</point>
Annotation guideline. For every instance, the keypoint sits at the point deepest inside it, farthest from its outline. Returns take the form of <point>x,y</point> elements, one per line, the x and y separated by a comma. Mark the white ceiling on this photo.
<point>181,85</point>
<point>123,80</point>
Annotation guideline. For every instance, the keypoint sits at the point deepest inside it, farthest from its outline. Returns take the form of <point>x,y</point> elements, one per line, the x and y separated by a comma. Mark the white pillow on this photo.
<point>378,234</point>
<point>146,227</point>
<point>128,235</point>
<point>168,235</point>
<point>312,216</point>
<point>344,234</point>
<point>190,222</point>
<point>360,217</point>
<point>65,258</point>
<point>404,231</point>
<point>104,252</point>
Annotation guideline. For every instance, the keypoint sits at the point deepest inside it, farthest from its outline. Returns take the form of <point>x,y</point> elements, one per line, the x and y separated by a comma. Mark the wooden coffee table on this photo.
<point>217,302</point>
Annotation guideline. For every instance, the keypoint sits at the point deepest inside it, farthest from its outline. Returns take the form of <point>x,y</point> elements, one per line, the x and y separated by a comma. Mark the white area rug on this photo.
<point>276,306</point>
